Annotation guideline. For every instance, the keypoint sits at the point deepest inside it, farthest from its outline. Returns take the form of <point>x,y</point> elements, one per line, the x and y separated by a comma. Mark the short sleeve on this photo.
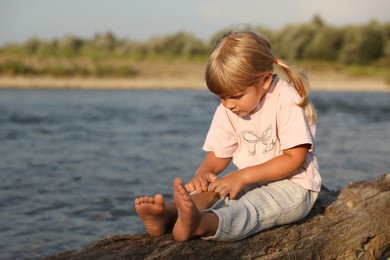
<point>293,126</point>
<point>221,137</point>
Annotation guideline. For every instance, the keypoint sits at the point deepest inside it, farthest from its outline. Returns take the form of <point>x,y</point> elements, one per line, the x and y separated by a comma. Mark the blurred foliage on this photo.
<point>352,45</point>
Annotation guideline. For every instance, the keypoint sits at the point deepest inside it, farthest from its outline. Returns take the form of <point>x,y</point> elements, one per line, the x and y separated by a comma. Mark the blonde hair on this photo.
<point>241,59</point>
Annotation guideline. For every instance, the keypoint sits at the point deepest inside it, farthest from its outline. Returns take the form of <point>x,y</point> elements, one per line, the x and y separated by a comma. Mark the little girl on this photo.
<point>266,126</point>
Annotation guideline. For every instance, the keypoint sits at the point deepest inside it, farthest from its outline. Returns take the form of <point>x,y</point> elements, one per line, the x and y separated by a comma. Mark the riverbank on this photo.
<point>193,79</point>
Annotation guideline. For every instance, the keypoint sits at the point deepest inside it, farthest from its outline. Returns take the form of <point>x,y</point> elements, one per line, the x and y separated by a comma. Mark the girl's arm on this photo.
<point>279,167</point>
<point>275,169</point>
<point>206,172</point>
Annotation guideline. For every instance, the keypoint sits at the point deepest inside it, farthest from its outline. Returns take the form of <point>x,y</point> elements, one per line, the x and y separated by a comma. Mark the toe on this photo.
<point>159,199</point>
<point>178,182</point>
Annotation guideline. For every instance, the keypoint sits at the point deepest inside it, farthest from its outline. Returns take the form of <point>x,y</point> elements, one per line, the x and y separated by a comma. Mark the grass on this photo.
<point>64,67</point>
<point>377,71</point>
<point>107,66</point>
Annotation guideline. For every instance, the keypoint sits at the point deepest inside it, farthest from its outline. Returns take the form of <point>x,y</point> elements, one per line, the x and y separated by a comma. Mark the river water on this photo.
<point>72,161</point>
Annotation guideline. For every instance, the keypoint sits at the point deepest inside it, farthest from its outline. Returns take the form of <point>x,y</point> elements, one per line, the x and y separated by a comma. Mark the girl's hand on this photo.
<point>200,182</point>
<point>231,184</point>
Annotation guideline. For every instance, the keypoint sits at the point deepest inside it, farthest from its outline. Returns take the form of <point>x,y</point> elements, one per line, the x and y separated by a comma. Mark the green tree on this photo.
<point>69,45</point>
<point>291,41</point>
<point>179,44</point>
<point>325,43</point>
<point>105,42</point>
<point>362,44</point>
<point>32,45</point>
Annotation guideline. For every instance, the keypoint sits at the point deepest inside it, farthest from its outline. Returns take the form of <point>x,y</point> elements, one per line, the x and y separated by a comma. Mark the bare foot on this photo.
<point>152,212</point>
<point>188,214</point>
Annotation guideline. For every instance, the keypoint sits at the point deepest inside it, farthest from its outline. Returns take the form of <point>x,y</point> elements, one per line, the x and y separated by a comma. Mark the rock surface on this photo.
<point>351,224</point>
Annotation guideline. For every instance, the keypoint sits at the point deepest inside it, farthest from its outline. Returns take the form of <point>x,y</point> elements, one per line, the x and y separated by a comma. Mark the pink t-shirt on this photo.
<point>278,123</point>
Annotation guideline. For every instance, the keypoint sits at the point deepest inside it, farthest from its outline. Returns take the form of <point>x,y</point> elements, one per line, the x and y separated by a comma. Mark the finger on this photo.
<point>220,191</point>
<point>190,187</point>
<point>212,178</point>
<point>213,186</point>
<point>205,185</point>
<point>198,186</point>
<point>201,185</point>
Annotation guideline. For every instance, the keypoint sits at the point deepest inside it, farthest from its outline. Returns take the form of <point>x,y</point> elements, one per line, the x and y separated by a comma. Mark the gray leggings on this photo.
<point>261,207</point>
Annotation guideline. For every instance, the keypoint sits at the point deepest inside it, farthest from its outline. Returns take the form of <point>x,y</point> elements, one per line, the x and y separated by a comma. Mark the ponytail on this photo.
<point>301,84</point>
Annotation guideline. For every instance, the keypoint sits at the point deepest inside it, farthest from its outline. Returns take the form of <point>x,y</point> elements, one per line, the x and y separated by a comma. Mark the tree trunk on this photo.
<point>351,224</point>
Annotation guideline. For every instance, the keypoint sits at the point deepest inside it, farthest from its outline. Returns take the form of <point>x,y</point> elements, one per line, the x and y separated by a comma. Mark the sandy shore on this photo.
<point>319,82</point>
<point>177,74</point>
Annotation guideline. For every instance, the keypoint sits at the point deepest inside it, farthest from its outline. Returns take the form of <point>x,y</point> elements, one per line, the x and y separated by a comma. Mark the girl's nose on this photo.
<point>229,104</point>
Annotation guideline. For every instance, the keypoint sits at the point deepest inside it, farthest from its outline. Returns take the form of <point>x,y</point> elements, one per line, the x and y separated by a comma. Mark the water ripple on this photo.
<point>72,162</point>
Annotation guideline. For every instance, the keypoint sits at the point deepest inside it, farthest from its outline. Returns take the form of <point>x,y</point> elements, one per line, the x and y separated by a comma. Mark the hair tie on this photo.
<point>276,60</point>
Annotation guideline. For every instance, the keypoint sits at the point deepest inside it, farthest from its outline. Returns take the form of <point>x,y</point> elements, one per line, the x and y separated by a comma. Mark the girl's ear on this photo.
<point>267,80</point>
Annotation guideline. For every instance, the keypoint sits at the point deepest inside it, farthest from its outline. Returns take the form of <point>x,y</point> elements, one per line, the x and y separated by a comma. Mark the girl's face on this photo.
<point>245,102</point>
